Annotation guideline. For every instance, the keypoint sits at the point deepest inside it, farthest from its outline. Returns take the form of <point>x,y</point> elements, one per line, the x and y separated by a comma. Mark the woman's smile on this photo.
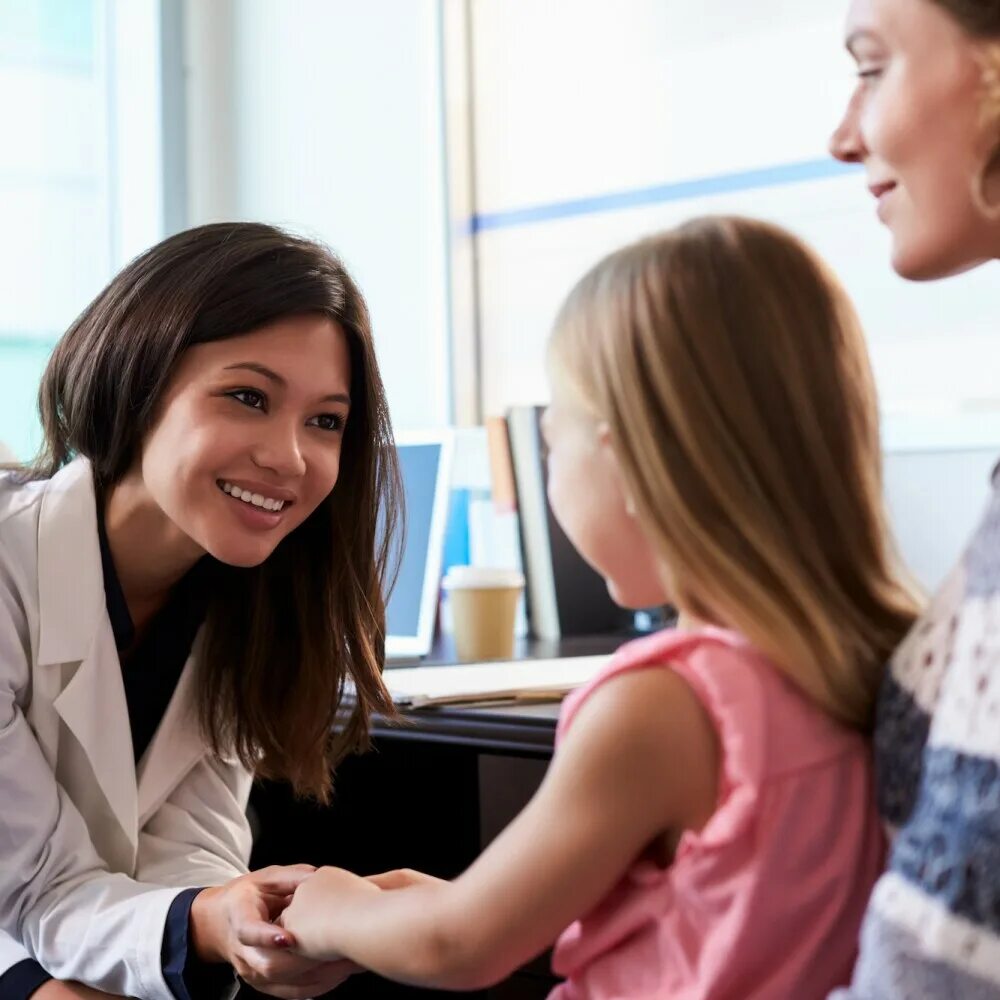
<point>257,511</point>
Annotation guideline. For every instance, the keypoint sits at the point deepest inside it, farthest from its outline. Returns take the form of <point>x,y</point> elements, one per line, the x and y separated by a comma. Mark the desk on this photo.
<point>431,794</point>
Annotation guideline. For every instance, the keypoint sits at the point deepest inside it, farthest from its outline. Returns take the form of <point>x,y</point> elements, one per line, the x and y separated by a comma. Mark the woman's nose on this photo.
<point>279,450</point>
<point>846,143</point>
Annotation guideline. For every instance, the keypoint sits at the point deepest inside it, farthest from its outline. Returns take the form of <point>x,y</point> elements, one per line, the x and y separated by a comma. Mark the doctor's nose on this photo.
<point>279,450</point>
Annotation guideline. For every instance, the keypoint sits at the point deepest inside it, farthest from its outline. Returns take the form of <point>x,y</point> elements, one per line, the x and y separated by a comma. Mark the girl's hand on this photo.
<point>234,923</point>
<point>319,900</point>
<point>402,878</point>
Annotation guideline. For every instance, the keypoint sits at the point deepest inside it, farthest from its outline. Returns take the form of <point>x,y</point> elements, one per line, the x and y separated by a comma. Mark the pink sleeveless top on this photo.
<point>765,903</point>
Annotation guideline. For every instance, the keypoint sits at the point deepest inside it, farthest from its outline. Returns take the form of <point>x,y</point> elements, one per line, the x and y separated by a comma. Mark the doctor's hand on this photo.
<point>234,923</point>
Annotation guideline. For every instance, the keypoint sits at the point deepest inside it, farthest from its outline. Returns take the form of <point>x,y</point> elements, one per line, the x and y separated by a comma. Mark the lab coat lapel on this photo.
<point>176,747</point>
<point>93,707</point>
<point>75,638</point>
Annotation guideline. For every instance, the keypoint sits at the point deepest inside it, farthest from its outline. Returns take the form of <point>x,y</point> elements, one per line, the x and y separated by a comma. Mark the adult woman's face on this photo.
<point>248,440</point>
<point>915,121</point>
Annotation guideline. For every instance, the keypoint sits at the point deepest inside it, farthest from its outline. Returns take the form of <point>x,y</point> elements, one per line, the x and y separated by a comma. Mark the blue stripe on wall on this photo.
<point>745,180</point>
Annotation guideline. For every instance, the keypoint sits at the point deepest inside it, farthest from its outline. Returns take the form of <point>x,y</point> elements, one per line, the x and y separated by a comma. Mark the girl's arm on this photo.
<point>640,760</point>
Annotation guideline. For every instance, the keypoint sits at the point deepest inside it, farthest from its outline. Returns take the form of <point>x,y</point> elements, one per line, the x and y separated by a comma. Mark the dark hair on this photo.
<point>980,18</point>
<point>281,638</point>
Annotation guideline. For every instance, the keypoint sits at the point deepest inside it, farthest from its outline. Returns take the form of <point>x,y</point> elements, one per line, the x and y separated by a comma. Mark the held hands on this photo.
<point>332,895</point>
<point>234,923</point>
<point>319,904</point>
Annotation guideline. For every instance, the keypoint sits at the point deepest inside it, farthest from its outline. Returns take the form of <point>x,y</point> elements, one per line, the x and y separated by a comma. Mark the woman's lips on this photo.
<point>880,192</point>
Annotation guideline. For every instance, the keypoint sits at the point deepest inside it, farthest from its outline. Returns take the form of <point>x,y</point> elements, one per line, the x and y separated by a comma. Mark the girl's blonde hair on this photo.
<point>731,369</point>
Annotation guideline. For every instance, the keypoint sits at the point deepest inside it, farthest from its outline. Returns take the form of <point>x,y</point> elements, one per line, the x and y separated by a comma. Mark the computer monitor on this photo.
<point>425,466</point>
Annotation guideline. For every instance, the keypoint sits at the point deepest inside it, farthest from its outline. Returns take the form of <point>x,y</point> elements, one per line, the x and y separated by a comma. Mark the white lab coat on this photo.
<point>89,842</point>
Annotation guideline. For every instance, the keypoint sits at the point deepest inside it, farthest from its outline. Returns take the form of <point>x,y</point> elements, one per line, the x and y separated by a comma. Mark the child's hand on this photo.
<point>402,878</point>
<point>234,923</point>
<point>319,902</point>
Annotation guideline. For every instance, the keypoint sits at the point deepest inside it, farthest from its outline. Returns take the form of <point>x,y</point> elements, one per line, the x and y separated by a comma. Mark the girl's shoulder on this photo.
<point>719,664</point>
<point>759,715</point>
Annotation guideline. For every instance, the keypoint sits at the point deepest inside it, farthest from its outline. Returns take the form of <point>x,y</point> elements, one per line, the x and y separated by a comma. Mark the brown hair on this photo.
<point>282,638</point>
<point>731,370</point>
<point>981,20</point>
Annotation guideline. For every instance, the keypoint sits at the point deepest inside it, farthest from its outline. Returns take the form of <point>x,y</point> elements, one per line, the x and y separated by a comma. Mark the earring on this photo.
<point>986,189</point>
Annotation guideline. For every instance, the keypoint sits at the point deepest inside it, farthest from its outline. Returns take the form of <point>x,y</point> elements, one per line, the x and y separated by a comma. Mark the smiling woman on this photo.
<point>924,121</point>
<point>264,412</point>
<point>196,551</point>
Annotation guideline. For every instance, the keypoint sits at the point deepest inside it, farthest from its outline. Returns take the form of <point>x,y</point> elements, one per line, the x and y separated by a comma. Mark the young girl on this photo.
<point>188,576</point>
<point>706,828</point>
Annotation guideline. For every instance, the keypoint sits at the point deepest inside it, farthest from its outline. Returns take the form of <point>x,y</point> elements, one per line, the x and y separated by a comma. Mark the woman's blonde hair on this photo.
<point>732,372</point>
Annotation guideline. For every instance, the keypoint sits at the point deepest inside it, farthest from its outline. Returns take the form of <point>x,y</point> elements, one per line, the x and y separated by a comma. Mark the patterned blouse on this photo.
<point>933,924</point>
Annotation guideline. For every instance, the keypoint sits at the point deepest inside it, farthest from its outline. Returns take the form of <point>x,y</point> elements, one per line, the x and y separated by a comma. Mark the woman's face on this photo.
<point>915,123</point>
<point>248,437</point>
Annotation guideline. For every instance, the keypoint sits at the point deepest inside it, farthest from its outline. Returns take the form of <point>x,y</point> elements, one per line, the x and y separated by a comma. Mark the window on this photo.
<point>80,179</point>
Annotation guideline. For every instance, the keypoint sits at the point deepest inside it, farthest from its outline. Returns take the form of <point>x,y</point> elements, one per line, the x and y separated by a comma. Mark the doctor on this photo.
<point>183,595</point>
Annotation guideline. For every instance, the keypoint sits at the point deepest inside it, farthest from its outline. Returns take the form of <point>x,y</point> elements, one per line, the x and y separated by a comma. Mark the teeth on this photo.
<point>255,499</point>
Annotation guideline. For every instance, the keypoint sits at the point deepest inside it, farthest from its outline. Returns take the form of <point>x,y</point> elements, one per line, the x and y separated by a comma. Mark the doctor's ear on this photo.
<point>606,443</point>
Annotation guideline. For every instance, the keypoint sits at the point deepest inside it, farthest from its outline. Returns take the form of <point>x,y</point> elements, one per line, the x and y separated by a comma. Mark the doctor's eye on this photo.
<point>250,397</point>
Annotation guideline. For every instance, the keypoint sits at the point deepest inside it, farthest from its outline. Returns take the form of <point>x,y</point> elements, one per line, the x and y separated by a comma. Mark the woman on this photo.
<point>183,595</point>
<point>925,123</point>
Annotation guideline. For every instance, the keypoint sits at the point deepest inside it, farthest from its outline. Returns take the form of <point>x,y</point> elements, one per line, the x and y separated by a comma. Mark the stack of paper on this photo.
<point>530,680</point>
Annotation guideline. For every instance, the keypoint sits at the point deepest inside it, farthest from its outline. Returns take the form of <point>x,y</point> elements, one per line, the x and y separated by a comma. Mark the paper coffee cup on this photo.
<point>483,609</point>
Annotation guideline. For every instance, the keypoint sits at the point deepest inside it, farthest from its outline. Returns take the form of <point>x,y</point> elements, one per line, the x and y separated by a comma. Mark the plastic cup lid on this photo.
<point>481,577</point>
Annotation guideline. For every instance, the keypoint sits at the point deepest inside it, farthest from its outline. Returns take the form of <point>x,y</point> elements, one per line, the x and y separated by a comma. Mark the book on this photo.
<point>565,595</point>
<point>520,680</point>
<point>501,473</point>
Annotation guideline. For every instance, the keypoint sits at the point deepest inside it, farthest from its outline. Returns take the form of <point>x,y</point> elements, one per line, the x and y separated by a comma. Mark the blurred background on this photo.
<point>469,159</point>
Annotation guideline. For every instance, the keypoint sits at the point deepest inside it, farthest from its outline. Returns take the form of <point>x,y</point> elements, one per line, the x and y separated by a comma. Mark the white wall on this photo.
<point>936,499</point>
<point>325,116</point>
<point>591,118</point>
<point>608,98</point>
